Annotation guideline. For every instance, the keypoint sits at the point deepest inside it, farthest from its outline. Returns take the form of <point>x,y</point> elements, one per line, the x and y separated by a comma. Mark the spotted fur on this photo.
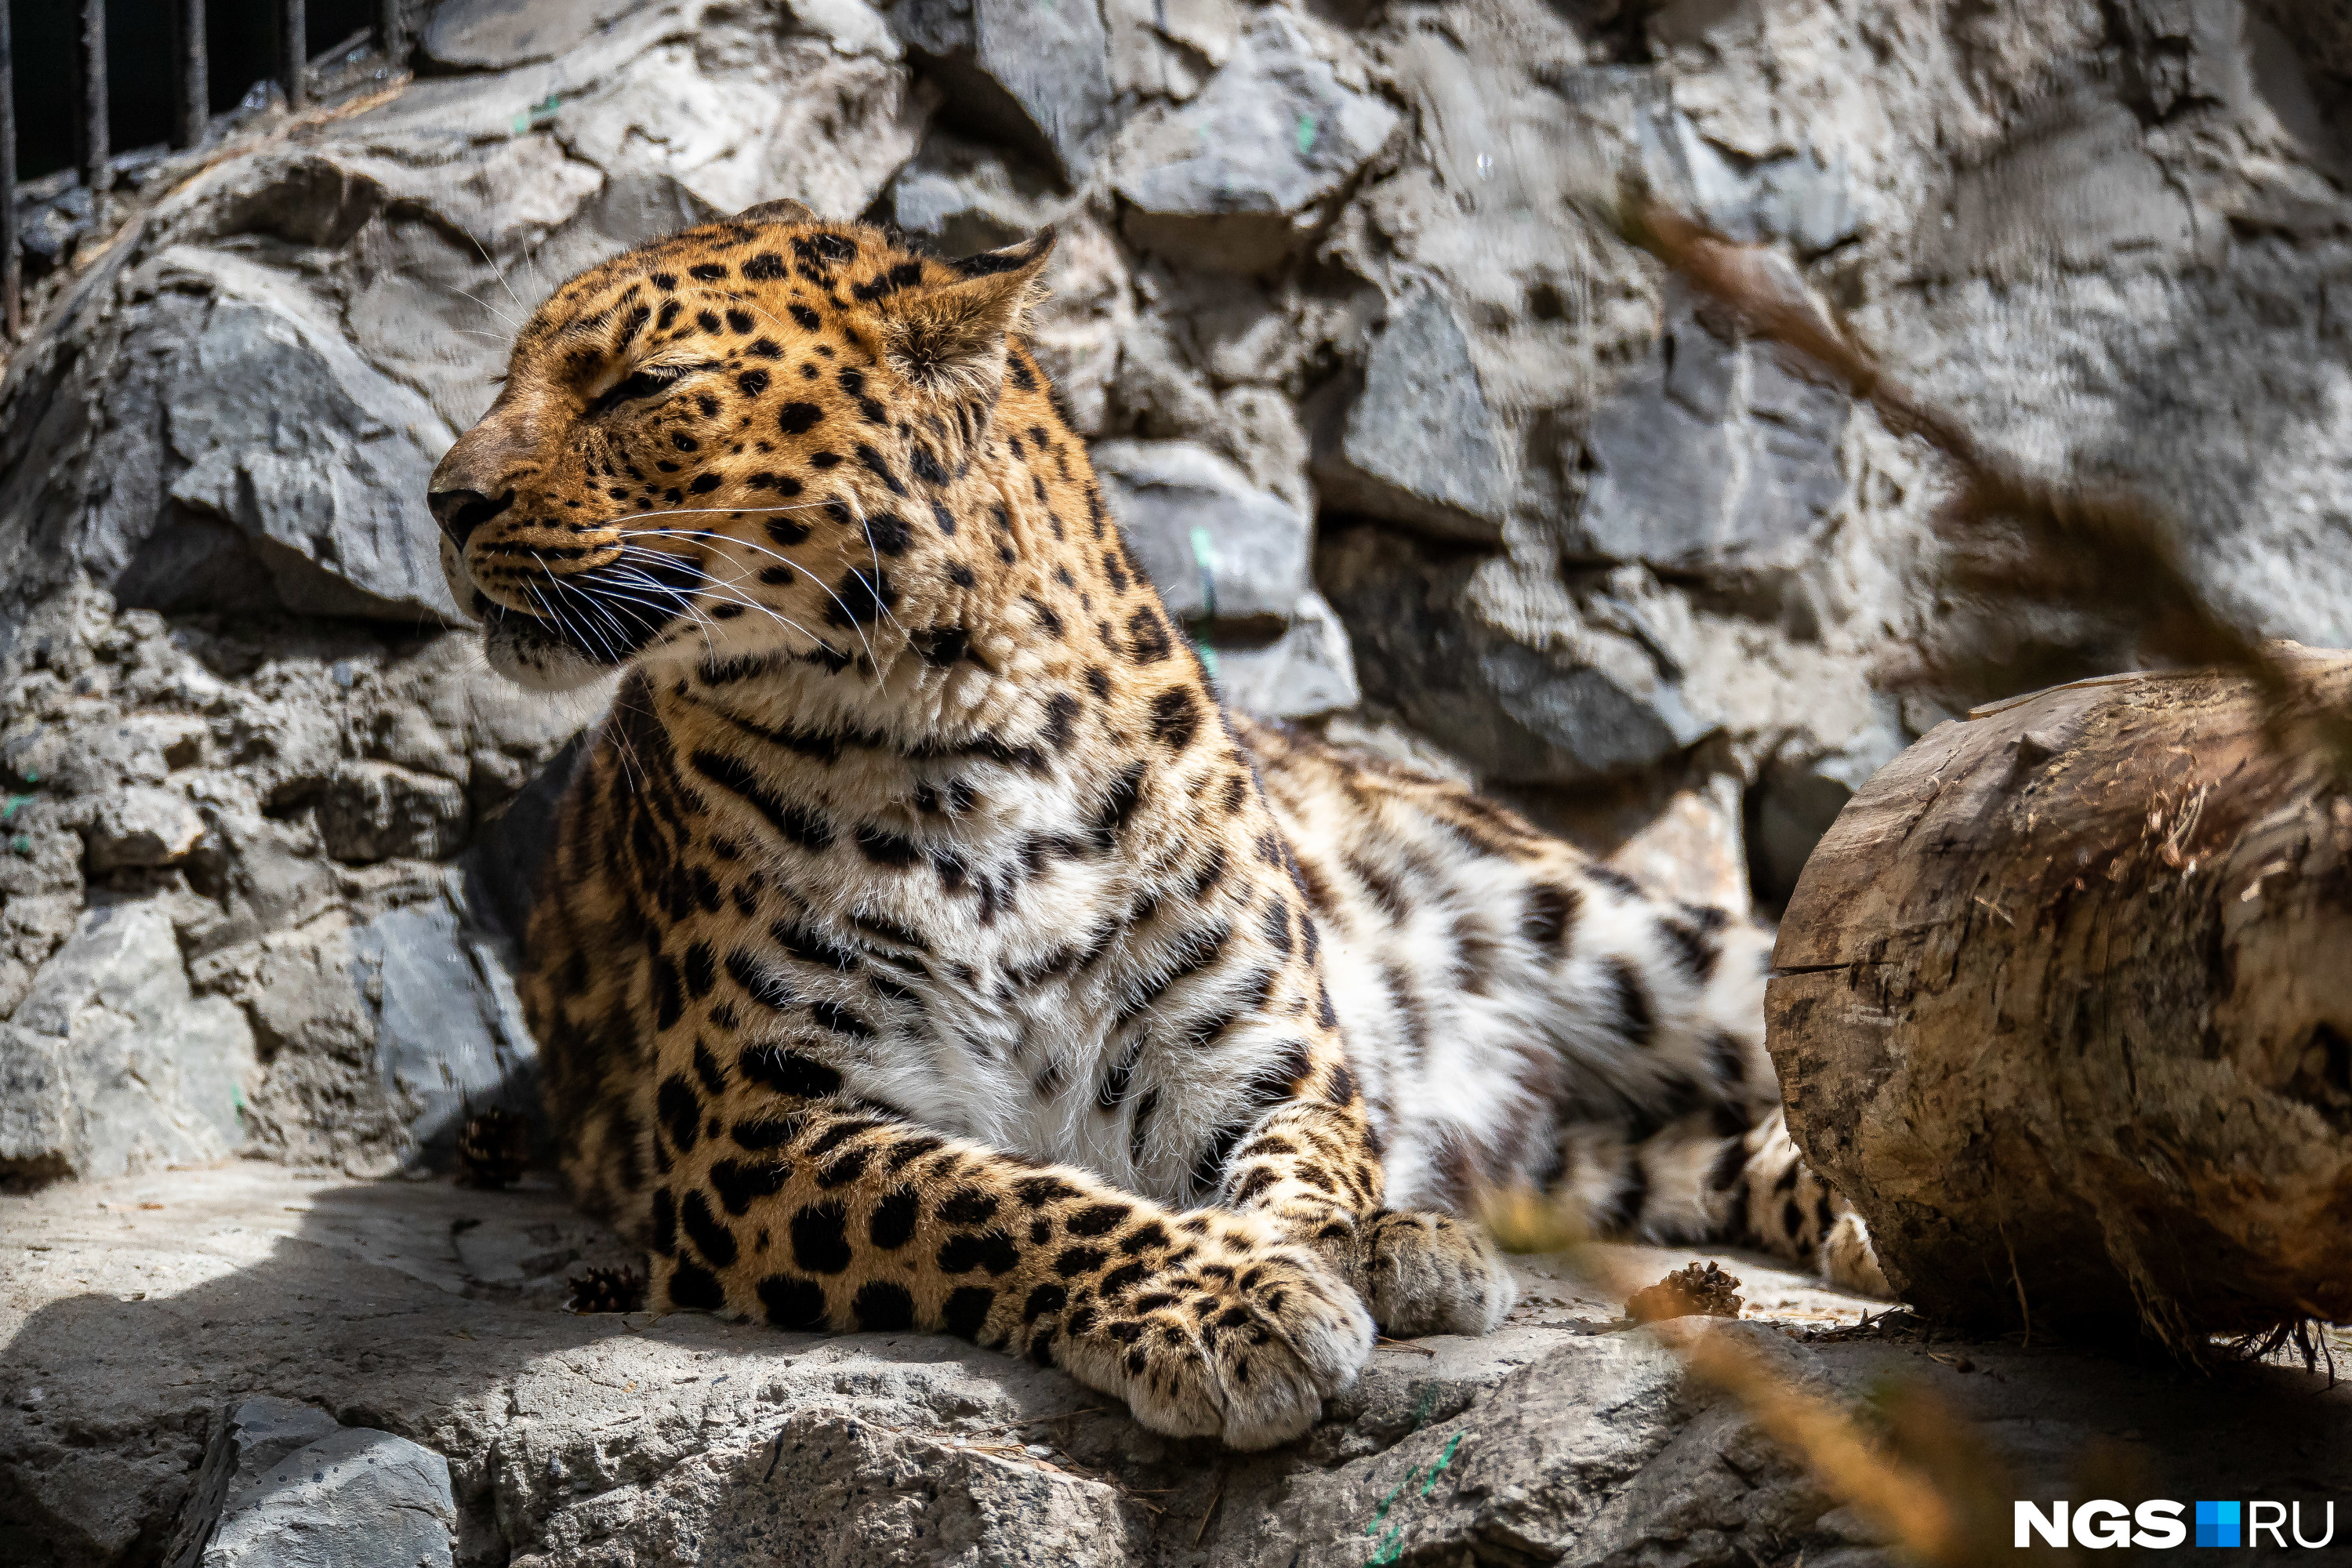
<point>924,947</point>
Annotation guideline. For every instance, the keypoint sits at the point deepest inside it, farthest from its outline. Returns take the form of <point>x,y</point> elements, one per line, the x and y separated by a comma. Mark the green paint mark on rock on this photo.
<point>1390,1547</point>
<point>538,113</point>
<point>1443,1459</point>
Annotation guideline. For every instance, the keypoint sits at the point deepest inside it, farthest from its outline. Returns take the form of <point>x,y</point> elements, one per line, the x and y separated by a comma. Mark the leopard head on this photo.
<point>728,444</point>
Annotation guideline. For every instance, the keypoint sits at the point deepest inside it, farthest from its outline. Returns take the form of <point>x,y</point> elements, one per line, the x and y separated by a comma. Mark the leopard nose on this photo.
<point>460,512</point>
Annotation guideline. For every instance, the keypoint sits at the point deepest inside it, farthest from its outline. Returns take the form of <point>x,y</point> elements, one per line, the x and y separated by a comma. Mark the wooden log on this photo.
<point>2064,1004</point>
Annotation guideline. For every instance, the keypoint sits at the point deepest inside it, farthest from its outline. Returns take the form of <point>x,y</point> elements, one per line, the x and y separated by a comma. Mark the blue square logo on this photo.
<point>2217,1524</point>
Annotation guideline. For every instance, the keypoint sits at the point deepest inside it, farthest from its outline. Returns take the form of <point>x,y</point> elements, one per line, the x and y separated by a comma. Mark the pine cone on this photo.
<point>608,1290</point>
<point>1699,1291</point>
<point>494,1149</point>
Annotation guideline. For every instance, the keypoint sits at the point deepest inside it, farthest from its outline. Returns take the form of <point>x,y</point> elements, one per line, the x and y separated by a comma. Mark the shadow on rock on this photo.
<point>143,1312</point>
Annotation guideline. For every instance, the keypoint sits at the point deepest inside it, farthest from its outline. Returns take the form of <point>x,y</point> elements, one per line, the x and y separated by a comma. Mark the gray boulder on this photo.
<point>1217,547</point>
<point>111,1063</point>
<point>965,197</point>
<point>495,34</point>
<point>2322,27</point>
<point>254,1435</point>
<point>320,459</point>
<point>1714,455</point>
<point>1560,701</point>
<point>1231,560</point>
<point>450,1039</point>
<point>1420,444</point>
<point>142,825</point>
<point>284,1485</point>
<point>379,811</point>
<point>1037,75</point>
<point>1307,671</point>
<point>1231,178</point>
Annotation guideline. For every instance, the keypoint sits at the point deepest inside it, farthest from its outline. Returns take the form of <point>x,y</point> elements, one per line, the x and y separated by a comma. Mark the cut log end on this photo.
<point>2064,1004</point>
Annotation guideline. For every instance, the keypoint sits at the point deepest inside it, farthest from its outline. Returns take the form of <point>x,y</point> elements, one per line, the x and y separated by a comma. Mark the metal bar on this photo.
<point>293,53</point>
<point>392,31</point>
<point>12,278</point>
<point>191,73</point>
<point>89,77</point>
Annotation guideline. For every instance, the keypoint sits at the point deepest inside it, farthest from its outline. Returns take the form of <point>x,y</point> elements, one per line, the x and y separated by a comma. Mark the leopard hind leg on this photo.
<point>1703,1180</point>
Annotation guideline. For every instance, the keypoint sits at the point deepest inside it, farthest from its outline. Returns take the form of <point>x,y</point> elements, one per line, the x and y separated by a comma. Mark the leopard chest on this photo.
<point>1011,1007</point>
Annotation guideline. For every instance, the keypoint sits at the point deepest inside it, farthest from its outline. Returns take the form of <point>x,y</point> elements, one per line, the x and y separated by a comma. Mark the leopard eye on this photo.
<point>644,383</point>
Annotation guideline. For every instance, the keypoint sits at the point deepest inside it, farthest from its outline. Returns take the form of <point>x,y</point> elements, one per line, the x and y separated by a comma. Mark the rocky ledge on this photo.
<point>297,1356</point>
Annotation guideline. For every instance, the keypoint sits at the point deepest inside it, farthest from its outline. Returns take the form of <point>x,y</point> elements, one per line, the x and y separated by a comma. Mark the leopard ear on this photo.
<point>955,333</point>
<point>778,212</point>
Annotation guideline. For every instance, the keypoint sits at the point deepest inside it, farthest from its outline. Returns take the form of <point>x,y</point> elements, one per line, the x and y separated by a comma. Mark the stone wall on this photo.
<point>1423,456</point>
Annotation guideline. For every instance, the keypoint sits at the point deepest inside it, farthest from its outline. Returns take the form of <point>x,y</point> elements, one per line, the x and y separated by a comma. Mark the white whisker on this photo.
<point>500,274</point>
<point>874,552</point>
<point>485,305</point>
<point>729,595</point>
<point>763,550</point>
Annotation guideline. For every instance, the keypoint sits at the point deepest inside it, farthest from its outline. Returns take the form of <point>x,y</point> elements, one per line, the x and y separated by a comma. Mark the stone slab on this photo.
<point>125,1328</point>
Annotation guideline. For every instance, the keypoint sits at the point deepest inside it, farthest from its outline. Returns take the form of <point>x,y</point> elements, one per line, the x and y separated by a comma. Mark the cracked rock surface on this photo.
<point>146,1321</point>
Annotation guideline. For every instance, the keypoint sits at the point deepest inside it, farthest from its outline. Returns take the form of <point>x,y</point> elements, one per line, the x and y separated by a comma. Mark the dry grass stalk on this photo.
<point>1926,1480</point>
<point>2014,534</point>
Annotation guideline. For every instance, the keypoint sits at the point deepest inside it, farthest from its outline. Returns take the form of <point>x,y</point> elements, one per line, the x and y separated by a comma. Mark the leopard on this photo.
<point>921,944</point>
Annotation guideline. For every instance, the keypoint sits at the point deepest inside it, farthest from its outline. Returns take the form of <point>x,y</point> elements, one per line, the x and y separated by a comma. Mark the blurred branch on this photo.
<point>2063,543</point>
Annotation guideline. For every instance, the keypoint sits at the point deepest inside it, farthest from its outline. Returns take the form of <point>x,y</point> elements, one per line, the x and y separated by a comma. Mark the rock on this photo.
<point>31,928</point>
<point>1420,444</point>
<point>1037,75</point>
<point>1230,179</point>
<point>502,870</point>
<point>493,35</point>
<point>1714,455</point>
<point>966,196</point>
<point>1163,50</point>
<point>142,826</point>
<point>254,1435</point>
<point>376,810</point>
<point>1796,194</point>
<point>1217,547</point>
<point>1308,670</point>
<point>332,503</point>
<point>1695,850</point>
<point>596,1442</point>
<point>1504,698</point>
<point>450,1039</point>
<point>1232,561</point>
<point>1788,811</point>
<point>851,26</point>
<point>2322,27</point>
<point>356,1497</point>
<point>111,1063</point>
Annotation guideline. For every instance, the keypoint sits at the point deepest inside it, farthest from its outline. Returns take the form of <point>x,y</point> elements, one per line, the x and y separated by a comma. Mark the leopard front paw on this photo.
<point>1429,1274</point>
<point>1242,1341</point>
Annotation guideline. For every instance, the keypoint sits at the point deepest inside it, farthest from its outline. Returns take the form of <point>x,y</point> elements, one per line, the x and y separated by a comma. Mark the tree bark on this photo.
<point>2064,1004</point>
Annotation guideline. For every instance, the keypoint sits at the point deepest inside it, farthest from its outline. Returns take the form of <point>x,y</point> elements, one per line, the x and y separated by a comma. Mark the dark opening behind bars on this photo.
<point>81,80</point>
